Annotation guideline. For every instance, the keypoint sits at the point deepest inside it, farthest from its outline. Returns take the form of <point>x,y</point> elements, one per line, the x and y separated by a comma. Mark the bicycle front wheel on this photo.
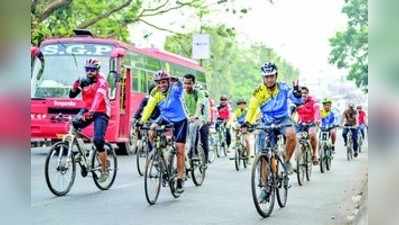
<point>198,166</point>
<point>262,186</point>
<point>300,166</point>
<point>309,163</point>
<point>59,169</point>
<point>173,174</point>
<point>152,179</point>
<point>141,157</point>
<point>282,184</point>
<point>112,167</point>
<point>237,160</point>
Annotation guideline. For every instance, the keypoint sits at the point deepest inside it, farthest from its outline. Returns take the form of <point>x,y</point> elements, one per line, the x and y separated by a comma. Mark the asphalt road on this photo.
<point>224,198</point>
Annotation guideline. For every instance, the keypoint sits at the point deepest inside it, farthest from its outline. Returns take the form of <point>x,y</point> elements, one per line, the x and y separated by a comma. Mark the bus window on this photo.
<point>143,82</point>
<point>152,64</point>
<point>135,80</point>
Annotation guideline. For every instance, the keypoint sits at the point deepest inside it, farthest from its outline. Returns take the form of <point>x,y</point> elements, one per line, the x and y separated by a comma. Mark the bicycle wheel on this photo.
<point>263,193</point>
<point>173,173</point>
<point>328,157</point>
<point>300,166</point>
<point>198,171</point>
<point>112,168</point>
<point>282,184</point>
<point>237,159</point>
<point>64,167</point>
<point>152,178</point>
<point>141,157</point>
<point>244,158</point>
<point>349,154</point>
<point>309,163</point>
<point>211,154</point>
<point>322,157</point>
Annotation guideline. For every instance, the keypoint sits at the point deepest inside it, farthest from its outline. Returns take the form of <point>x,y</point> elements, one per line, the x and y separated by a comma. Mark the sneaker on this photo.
<point>179,186</point>
<point>315,161</point>
<point>263,196</point>
<point>356,154</point>
<point>103,177</point>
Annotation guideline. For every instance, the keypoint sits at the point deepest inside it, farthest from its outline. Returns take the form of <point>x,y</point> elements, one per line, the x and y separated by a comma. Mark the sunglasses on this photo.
<point>90,69</point>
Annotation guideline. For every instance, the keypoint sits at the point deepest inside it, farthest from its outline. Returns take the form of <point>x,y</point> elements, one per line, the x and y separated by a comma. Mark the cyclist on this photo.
<point>329,118</point>
<point>309,113</point>
<point>272,99</point>
<point>350,119</point>
<point>362,120</point>
<point>197,106</point>
<point>168,97</point>
<point>138,114</point>
<point>224,116</point>
<point>239,115</point>
<point>94,89</point>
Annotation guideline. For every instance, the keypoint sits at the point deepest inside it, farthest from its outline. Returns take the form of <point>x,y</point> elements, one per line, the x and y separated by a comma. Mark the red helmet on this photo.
<point>93,63</point>
<point>161,75</point>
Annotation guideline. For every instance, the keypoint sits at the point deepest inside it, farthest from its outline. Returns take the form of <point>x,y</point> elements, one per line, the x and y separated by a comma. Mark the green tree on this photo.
<point>109,18</point>
<point>350,47</point>
<point>231,64</point>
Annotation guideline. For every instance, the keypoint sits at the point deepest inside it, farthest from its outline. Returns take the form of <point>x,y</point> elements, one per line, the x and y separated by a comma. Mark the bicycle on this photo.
<point>195,162</point>
<point>161,165</point>
<point>64,155</point>
<point>240,150</point>
<point>269,173</point>
<point>360,139</point>
<point>349,146</point>
<point>303,157</point>
<point>325,148</point>
<point>212,144</point>
<point>221,144</point>
<point>143,148</point>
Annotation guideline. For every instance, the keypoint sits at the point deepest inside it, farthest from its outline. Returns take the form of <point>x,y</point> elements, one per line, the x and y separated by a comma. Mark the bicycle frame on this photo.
<point>75,136</point>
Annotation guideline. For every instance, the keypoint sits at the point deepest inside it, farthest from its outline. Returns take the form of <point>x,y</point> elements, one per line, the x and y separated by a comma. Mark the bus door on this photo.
<point>125,103</point>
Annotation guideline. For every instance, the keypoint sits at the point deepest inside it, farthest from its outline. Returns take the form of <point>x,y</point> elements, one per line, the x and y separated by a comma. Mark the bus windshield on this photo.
<point>62,65</point>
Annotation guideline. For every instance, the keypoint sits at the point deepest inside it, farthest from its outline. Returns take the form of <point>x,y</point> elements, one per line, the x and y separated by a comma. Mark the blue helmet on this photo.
<point>268,69</point>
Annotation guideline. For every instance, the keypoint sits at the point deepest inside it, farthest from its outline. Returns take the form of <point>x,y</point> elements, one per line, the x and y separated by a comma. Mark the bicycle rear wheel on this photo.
<point>282,184</point>
<point>64,167</point>
<point>263,191</point>
<point>152,179</point>
<point>112,168</point>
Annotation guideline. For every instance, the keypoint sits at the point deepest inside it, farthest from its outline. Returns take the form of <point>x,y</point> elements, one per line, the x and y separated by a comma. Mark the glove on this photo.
<point>88,115</point>
<point>76,85</point>
<point>296,92</point>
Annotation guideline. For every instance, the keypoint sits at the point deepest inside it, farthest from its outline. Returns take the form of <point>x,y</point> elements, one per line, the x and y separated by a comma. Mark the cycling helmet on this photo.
<point>326,101</point>
<point>268,69</point>
<point>351,105</point>
<point>93,63</point>
<point>359,107</point>
<point>223,98</point>
<point>161,75</point>
<point>241,101</point>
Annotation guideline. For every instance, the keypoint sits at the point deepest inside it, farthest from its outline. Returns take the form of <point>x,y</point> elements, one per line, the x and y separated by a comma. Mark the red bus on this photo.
<point>56,63</point>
